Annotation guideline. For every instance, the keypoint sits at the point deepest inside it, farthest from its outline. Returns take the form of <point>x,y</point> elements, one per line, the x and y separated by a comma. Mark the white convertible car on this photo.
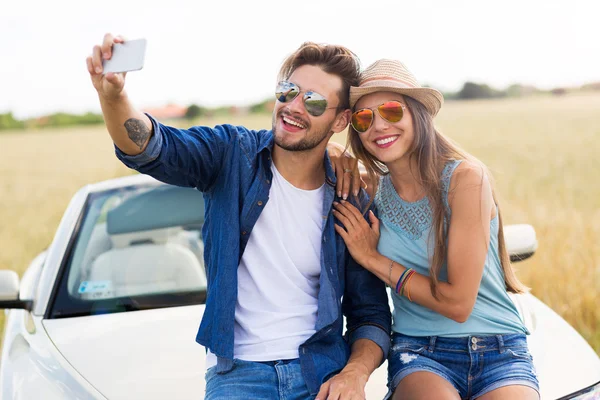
<point>110,310</point>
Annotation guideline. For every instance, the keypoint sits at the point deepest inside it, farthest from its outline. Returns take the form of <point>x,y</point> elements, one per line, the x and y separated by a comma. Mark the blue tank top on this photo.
<point>405,229</point>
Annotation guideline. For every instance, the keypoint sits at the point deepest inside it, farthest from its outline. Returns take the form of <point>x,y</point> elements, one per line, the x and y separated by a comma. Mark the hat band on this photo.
<point>388,79</point>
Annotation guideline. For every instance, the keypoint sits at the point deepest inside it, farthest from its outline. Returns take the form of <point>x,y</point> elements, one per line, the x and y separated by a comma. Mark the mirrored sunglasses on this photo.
<point>314,103</point>
<point>391,111</point>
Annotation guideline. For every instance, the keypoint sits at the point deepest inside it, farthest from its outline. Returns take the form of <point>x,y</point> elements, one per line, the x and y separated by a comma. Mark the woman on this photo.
<point>438,244</point>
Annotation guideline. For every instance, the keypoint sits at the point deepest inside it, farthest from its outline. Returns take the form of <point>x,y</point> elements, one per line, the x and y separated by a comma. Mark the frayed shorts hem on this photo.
<point>496,385</point>
<point>509,382</point>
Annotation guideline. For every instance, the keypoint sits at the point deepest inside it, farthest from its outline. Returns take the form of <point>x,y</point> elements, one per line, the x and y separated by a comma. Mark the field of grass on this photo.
<point>543,152</point>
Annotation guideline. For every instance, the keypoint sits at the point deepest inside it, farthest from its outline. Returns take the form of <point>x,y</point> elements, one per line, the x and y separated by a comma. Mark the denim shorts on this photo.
<point>474,365</point>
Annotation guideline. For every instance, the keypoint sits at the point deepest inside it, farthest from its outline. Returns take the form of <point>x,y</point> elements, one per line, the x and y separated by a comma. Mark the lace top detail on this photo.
<point>407,218</point>
<point>410,219</point>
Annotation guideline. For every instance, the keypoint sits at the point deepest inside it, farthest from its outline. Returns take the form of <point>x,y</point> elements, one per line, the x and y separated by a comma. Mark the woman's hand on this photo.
<point>361,238</point>
<point>345,167</point>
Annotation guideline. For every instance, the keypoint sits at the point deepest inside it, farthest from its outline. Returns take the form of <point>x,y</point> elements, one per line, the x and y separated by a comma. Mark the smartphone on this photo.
<point>127,56</point>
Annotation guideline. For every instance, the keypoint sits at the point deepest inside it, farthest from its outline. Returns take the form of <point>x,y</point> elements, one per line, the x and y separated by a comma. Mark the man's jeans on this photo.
<point>257,380</point>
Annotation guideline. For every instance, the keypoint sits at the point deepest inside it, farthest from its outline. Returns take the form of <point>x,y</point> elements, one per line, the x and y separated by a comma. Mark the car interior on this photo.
<point>136,248</point>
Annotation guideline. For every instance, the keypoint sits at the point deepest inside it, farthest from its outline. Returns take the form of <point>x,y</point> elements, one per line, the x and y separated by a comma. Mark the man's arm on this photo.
<point>129,129</point>
<point>365,303</point>
<point>350,383</point>
<point>184,157</point>
<point>368,319</point>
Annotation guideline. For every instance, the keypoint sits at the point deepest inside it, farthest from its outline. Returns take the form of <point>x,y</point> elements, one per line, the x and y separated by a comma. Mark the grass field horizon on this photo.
<point>542,151</point>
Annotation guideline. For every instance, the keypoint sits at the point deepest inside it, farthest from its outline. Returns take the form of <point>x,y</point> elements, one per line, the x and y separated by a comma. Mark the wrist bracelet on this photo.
<point>390,274</point>
<point>409,275</point>
<point>400,280</point>
<point>406,285</point>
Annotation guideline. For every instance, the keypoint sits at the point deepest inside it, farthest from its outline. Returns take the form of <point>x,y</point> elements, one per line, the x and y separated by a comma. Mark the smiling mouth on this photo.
<point>289,121</point>
<point>387,140</point>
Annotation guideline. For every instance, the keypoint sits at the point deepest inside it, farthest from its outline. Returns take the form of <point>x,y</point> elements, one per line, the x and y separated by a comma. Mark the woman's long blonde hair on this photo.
<point>432,150</point>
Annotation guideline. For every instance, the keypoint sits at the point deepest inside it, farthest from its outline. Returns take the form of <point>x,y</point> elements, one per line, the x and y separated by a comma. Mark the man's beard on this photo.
<point>310,141</point>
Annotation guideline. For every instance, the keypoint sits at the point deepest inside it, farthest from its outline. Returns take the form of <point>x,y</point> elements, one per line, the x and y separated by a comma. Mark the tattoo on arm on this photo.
<point>138,131</point>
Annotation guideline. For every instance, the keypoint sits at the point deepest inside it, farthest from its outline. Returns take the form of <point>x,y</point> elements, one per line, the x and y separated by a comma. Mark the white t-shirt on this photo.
<point>278,275</point>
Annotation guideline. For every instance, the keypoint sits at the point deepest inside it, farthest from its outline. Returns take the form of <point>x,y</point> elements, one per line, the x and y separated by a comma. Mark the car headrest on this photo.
<point>158,208</point>
<point>154,236</point>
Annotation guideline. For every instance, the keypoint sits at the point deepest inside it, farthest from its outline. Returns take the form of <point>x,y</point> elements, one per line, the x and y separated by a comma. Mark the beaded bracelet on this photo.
<point>406,278</point>
<point>408,287</point>
<point>399,283</point>
<point>401,279</point>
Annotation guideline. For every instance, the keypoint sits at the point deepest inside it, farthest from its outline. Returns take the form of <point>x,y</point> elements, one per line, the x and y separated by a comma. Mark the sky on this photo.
<point>215,53</point>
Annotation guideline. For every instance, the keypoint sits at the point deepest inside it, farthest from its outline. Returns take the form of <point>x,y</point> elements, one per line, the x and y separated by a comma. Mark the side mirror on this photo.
<point>9,291</point>
<point>521,242</point>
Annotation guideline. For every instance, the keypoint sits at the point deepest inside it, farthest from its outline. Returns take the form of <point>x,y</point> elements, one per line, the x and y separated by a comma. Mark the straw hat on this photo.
<point>393,76</point>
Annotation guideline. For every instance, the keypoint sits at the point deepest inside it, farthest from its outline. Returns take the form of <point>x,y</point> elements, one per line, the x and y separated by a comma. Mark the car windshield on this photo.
<point>134,248</point>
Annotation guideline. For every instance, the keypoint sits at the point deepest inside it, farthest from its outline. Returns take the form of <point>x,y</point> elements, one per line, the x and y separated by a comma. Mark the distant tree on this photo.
<point>90,119</point>
<point>222,110</point>
<point>194,111</point>
<point>450,95</point>
<point>558,91</point>
<point>61,119</point>
<point>265,106</point>
<point>472,90</point>
<point>65,119</point>
<point>518,90</point>
<point>8,121</point>
<point>591,86</point>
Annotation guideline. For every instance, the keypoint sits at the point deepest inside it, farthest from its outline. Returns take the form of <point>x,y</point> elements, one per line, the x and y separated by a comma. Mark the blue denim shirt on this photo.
<point>232,167</point>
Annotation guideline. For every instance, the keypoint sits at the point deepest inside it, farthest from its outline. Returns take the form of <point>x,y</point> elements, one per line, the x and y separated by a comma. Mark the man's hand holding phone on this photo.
<point>129,128</point>
<point>110,62</point>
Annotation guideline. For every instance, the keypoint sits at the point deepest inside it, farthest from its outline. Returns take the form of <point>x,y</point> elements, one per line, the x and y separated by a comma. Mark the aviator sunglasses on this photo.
<point>314,103</point>
<point>391,111</point>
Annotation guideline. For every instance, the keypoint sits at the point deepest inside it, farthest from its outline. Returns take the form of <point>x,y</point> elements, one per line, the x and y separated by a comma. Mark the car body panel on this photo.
<point>152,354</point>
<point>32,368</point>
<point>31,278</point>
<point>148,354</point>
<point>564,361</point>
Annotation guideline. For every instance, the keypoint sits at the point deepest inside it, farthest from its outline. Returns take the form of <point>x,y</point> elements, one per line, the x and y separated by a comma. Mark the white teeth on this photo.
<point>386,140</point>
<point>292,122</point>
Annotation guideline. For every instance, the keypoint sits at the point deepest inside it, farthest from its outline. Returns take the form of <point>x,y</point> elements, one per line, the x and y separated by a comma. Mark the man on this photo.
<point>276,269</point>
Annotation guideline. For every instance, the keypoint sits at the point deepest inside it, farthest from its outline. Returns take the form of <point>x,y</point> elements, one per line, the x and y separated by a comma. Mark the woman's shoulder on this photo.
<point>468,183</point>
<point>466,172</point>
